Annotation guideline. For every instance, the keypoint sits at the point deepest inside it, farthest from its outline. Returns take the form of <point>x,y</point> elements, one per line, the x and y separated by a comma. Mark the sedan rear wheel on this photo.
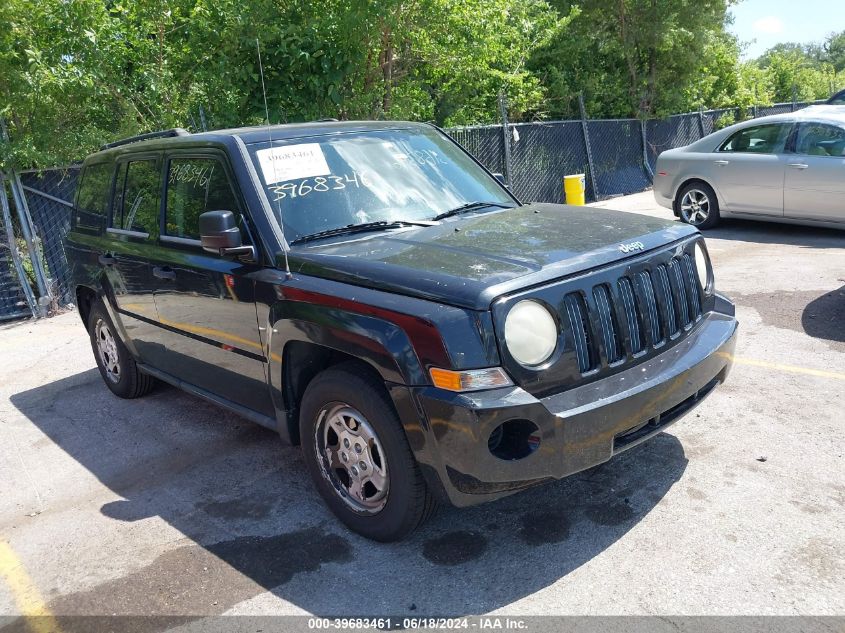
<point>697,205</point>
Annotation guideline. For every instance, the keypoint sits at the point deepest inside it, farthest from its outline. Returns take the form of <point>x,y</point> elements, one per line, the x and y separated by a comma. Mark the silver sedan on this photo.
<point>781,168</point>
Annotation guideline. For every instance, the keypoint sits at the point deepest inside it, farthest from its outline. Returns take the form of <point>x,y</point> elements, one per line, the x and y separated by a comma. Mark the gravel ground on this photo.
<point>167,505</point>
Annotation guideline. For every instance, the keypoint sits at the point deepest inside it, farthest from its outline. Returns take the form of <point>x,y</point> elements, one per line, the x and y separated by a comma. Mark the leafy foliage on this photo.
<point>83,72</point>
<point>806,72</point>
<point>80,73</point>
<point>639,57</point>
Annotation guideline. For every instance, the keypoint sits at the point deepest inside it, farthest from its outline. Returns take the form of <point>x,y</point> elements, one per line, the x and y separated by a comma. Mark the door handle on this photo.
<point>164,272</point>
<point>799,165</point>
<point>106,260</point>
<point>721,163</point>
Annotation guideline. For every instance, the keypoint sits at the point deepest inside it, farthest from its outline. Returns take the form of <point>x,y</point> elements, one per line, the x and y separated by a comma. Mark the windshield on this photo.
<point>326,182</point>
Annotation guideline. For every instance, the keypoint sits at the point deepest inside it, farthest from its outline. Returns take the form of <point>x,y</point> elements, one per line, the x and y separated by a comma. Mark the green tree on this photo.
<point>474,50</point>
<point>639,57</point>
<point>834,51</point>
<point>806,71</point>
<point>58,88</point>
<point>80,73</point>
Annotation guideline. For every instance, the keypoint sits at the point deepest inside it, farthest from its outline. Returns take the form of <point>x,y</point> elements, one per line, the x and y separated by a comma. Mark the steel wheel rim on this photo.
<point>695,207</point>
<point>107,350</point>
<point>351,458</point>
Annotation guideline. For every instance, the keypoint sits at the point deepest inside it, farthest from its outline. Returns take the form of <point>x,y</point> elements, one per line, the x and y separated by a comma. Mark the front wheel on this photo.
<point>696,204</point>
<point>358,456</point>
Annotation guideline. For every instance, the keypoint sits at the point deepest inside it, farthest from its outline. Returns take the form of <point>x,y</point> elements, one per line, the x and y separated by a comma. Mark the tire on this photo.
<point>697,204</point>
<point>117,367</point>
<point>387,498</point>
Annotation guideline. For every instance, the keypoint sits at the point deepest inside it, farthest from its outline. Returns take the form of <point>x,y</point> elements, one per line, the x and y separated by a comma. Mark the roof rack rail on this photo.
<point>327,119</point>
<point>176,131</point>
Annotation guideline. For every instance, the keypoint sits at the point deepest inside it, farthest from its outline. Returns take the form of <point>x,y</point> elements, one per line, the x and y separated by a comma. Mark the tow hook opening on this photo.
<point>514,439</point>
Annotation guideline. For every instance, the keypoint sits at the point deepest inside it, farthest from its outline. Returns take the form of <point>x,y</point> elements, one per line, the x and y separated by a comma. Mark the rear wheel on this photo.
<point>118,369</point>
<point>696,204</point>
<point>358,456</point>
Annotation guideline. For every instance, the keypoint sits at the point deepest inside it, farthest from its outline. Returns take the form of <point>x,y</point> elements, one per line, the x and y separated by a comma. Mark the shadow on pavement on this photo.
<point>824,317</point>
<point>777,233</point>
<point>254,523</point>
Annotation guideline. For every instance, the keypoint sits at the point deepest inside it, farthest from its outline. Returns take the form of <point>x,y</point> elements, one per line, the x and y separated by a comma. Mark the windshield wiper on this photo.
<point>470,206</point>
<point>361,228</point>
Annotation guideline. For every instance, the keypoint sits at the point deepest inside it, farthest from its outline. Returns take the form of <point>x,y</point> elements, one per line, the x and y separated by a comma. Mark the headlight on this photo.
<point>530,333</point>
<point>702,266</point>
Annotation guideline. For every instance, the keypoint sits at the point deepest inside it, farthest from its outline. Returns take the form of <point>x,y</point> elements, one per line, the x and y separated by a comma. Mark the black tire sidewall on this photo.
<point>403,509</point>
<point>713,215</point>
<point>123,387</point>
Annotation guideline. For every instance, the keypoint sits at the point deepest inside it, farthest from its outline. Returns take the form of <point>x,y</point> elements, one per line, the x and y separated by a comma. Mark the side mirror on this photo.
<point>501,179</point>
<point>219,234</point>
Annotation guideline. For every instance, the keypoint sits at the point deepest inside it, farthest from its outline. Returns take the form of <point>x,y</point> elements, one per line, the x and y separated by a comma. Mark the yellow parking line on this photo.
<point>795,369</point>
<point>27,598</point>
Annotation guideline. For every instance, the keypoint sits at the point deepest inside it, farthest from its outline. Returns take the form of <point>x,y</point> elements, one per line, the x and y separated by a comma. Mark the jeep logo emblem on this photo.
<point>631,247</point>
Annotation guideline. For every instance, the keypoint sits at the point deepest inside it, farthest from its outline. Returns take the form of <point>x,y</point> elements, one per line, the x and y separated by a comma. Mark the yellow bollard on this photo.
<point>574,187</point>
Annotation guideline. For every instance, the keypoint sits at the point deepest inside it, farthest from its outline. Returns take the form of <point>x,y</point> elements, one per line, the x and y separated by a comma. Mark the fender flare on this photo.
<point>380,343</point>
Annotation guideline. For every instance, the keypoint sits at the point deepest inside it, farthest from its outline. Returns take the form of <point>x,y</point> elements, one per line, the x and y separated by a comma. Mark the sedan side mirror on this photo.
<point>219,234</point>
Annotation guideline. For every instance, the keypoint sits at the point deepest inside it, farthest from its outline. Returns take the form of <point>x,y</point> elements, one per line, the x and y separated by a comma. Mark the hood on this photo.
<point>470,260</point>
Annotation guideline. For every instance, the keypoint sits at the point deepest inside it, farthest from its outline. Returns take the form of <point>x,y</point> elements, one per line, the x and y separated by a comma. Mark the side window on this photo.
<point>760,139</point>
<point>194,186</point>
<point>137,204</point>
<point>818,139</point>
<point>92,204</point>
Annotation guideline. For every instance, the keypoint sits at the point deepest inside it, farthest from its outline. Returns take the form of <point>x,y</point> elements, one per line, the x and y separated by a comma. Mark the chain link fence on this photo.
<point>49,194</point>
<point>34,272</point>
<point>617,157</point>
<point>676,131</point>
<point>485,142</point>
<point>14,302</point>
<point>541,154</point>
<point>618,150</point>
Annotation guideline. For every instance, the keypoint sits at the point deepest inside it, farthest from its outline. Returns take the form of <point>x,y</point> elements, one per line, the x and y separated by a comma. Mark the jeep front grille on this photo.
<point>632,316</point>
<point>608,326</point>
<point>615,322</point>
<point>578,321</point>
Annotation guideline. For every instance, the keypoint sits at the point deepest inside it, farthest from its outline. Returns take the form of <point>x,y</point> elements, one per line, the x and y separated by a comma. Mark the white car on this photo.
<point>781,168</point>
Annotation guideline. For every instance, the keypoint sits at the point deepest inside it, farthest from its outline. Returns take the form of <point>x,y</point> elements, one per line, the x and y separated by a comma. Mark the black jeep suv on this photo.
<point>371,292</point>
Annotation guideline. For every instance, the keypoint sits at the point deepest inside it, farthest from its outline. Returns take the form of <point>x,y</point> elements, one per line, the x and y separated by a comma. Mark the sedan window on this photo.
<point>760,139</point>
<point>818,139</point>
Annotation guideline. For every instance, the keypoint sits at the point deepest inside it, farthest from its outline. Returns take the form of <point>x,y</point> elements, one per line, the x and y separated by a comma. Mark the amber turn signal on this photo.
<point>469,380</point>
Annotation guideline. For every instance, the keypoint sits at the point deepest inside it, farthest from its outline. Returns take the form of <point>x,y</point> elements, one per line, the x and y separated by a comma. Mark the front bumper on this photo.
<point>579,428</point>
<point>663,200</point>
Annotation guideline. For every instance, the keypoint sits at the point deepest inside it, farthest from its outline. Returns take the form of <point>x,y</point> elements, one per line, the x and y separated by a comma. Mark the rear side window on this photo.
<point>92,204</point>
<point>194,186</point>
<point>760,139</point>
<point>818,139</point>
<point>137,209</point>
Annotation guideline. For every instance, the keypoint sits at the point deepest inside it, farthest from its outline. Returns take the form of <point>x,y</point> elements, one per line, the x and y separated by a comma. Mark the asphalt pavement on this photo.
<point>167,505</point>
